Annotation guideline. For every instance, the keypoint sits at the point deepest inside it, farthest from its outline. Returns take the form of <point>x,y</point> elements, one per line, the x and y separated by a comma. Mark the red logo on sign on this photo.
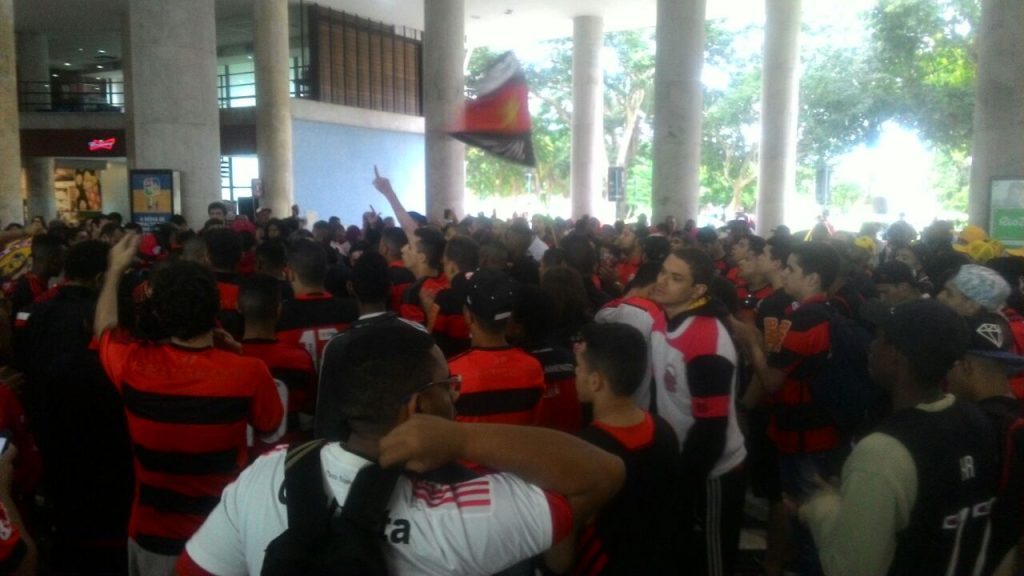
<point>107,144</point>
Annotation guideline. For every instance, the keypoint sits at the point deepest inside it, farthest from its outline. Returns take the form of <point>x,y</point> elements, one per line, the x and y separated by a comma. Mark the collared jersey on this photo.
<point>560,406</point>
<point>311,320</point>
<point>480,526</point>
<point>411,307</point>
<point>187,411</point>
<point>502,385</point>
<point>679,349</point>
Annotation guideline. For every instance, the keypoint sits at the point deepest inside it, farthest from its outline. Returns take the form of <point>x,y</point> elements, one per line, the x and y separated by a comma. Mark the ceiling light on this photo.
<point>81,49</point>
<point>102,51</point>
<point>99,67</point>
<point>67,63</point>
<point>54,75</point>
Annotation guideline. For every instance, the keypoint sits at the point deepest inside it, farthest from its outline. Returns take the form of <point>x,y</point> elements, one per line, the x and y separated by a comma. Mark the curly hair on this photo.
<point>185,299</point>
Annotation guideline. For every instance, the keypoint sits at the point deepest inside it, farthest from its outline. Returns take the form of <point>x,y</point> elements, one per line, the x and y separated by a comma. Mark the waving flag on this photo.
<point>498,119</point>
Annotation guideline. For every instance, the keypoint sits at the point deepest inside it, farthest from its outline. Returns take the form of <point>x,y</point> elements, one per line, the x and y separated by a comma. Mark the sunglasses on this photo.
<point>452,383</point>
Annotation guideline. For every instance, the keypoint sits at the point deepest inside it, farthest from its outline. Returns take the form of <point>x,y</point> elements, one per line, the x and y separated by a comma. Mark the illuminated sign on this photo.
<point>107,144</point>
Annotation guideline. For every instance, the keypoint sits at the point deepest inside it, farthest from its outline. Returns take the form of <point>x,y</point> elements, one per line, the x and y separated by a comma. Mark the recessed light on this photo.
<point>81,49</point>
<point>99,67</point>
<point>67,63</point>
<point>54,75</point>
<point>102,51</point>
<point>249,57</point>
<point>98,78</point>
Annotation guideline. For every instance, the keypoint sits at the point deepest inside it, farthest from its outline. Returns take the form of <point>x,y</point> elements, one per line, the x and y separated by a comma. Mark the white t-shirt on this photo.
<point>477,527</point>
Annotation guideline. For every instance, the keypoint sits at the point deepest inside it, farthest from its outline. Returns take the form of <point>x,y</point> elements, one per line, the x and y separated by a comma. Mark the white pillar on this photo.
<point>999,104</point>
<point>678,109</point>
<point>443,99</point>
<point>273,104</point>
<point>588,153</point>
<point>34,68</point>
<point>42,199</point>
<point>780,91</point>
<point>10,141</point>
<point>171,84</point>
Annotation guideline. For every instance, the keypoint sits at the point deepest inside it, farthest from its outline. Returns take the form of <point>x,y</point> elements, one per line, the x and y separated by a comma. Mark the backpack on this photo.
<point>843,387</point>
<point>320,541</point>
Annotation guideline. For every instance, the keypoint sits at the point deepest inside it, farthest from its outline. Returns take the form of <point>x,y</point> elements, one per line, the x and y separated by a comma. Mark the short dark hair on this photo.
<point>46,246</point>
<point>259,297</point>
<point>371,280</point>
<point>464,252</point>
<point>646,275</point>
<point>431,244</point>
<point>494,255</point>
<point>518,238</point>
<point>818,258</point>
<point>272,253</point>
<point>224,246</point>
<point>619,353</point>
<point>756,243</point>
<point>701,267</point>
<point>553,258</point>
<point>86,260</point>
<point>377,371</point>
<point>394,238</point>
<point>179,220</point>
<point>217,206</point>
<point>534,309</point>
<point>308,260</point>
<point>185,299</point>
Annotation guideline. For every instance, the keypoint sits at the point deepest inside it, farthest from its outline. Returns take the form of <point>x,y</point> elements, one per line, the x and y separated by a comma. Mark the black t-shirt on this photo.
<point>954,452</point>
<point>639,531</point>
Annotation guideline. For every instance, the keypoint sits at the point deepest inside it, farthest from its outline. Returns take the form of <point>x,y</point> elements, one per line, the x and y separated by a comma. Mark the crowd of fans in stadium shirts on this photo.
<point>563,397</point>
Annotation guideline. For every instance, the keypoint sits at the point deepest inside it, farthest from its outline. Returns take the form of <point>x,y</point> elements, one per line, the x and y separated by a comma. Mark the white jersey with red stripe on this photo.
<point>481,526</point>
<point>670,352</point>
<point>640,313</point>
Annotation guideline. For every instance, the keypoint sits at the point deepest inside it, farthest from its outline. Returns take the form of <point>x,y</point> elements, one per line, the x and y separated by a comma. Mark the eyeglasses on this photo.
<point>452,383</point>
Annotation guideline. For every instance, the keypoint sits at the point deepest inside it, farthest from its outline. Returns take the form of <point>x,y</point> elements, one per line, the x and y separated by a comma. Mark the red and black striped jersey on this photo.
<point>560,406</point>
<point>501,385</point>
<point>401,278</point>
<point>228,286</point>
<point>187,411</point>
<point>293,366</point>
<point>798,345</point>
<point>312,319</point>
<point>450,330</point>
<point>412,306</point>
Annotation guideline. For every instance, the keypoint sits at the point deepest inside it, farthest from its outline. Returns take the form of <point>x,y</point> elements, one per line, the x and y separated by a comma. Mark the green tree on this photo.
<point>926,47</point>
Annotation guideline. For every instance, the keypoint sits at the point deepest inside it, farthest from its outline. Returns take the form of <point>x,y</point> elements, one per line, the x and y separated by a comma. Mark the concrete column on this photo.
<point>171,85</point>
<point>999,105</point>
<point>273,104</point>
<point>10,142</point>
<point>678,108</point>
<point>780,90</point>
<point>443,99</point>
<point>588,153</point>
<point>34,67</point>
<point>42,200</point>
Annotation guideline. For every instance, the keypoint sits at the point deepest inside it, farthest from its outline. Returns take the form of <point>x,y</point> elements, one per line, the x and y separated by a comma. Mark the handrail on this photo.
<point>71,96</point>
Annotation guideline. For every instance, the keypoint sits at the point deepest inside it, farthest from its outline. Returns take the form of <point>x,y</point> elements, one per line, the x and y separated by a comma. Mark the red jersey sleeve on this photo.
<point>115,348</point>
<point>266,410</point>
<point>561,516</point>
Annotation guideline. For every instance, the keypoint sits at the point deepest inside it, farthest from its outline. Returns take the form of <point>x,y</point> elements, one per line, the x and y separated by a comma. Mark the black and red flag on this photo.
<point>498,119</point>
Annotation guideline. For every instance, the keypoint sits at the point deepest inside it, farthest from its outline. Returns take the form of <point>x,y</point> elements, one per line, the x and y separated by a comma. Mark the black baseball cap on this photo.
<point>925,331</point>
<point>490,294</point>
<point>991,338</point>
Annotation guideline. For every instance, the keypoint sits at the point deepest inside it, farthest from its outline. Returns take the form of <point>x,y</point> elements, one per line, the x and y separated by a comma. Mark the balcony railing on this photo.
<point>71,96</point>
<point>238,89</point>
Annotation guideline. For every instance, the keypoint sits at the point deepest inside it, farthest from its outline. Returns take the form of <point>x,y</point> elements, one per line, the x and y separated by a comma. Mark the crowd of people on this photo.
<point>533,396</point>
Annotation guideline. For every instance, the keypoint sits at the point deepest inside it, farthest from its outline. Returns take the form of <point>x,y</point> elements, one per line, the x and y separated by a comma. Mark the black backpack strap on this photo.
<point>366,505</point>
<point>304,489</point>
